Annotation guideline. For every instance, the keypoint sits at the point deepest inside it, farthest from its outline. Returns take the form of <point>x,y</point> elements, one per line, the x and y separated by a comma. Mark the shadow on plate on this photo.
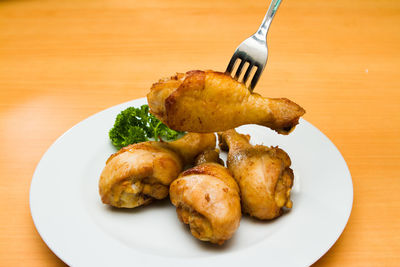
<point>285,213</point>
<point>156,204</point>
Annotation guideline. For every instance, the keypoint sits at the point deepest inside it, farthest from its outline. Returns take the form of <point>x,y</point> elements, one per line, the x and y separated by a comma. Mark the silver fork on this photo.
<point>253,51</point>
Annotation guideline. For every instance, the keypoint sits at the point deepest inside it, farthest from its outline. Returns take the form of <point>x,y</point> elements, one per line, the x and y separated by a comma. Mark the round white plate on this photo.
<point>78,228</point>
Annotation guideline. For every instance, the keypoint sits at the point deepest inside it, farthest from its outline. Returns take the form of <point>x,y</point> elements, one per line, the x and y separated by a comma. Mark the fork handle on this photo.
<point>263,30</point>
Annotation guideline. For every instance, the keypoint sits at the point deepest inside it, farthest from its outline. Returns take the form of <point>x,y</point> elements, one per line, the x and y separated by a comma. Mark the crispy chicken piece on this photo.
<point>263,174</point>
<point>209,156</point>
<point>208,101</point>
<point>139,173</point>
<point>207,198</point>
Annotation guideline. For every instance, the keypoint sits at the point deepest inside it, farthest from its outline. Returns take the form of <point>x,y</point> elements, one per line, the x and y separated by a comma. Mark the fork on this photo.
<point>253,51</point>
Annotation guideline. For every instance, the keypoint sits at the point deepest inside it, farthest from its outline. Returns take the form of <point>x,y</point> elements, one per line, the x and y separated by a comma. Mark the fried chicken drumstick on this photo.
<point>263,174</point>
<point>207,198</point>
<point>208,101</point>
<point>139,173</point>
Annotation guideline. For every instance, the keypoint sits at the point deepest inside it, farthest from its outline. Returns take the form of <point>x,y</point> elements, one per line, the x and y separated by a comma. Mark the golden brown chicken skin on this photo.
<point>207,198</point>
<point>263,174</point>
<point>209,101</point>
<point>139,173</point>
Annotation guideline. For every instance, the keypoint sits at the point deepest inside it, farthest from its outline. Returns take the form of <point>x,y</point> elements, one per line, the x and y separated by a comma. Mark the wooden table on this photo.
<point>62,61</point>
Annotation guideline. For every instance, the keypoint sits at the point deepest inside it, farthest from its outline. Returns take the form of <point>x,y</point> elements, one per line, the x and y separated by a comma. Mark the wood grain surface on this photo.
<point>62,61</point>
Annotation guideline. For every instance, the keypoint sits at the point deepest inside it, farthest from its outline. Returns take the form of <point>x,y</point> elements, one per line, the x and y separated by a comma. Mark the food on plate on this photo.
<point>209,101</point>
<point>135,125</point>
<point>139,173</point>
<point>263,174</point>
<point>208,199</point>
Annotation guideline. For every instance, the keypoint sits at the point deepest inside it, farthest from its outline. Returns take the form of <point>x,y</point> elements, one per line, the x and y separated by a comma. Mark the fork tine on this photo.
<point>246,75</point>
<point>256,77</point>
<point>239,69</point>
<point>231,64</point>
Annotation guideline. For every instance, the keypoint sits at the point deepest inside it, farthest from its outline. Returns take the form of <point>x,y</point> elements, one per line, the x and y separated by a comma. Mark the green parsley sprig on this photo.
<point>135,125</point>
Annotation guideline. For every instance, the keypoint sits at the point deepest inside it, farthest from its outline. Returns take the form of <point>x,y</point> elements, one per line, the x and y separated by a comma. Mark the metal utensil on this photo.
<point>253,51</point>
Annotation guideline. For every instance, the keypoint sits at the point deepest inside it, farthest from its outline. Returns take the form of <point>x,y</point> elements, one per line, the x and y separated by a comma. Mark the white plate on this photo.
<point>78,228</point>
